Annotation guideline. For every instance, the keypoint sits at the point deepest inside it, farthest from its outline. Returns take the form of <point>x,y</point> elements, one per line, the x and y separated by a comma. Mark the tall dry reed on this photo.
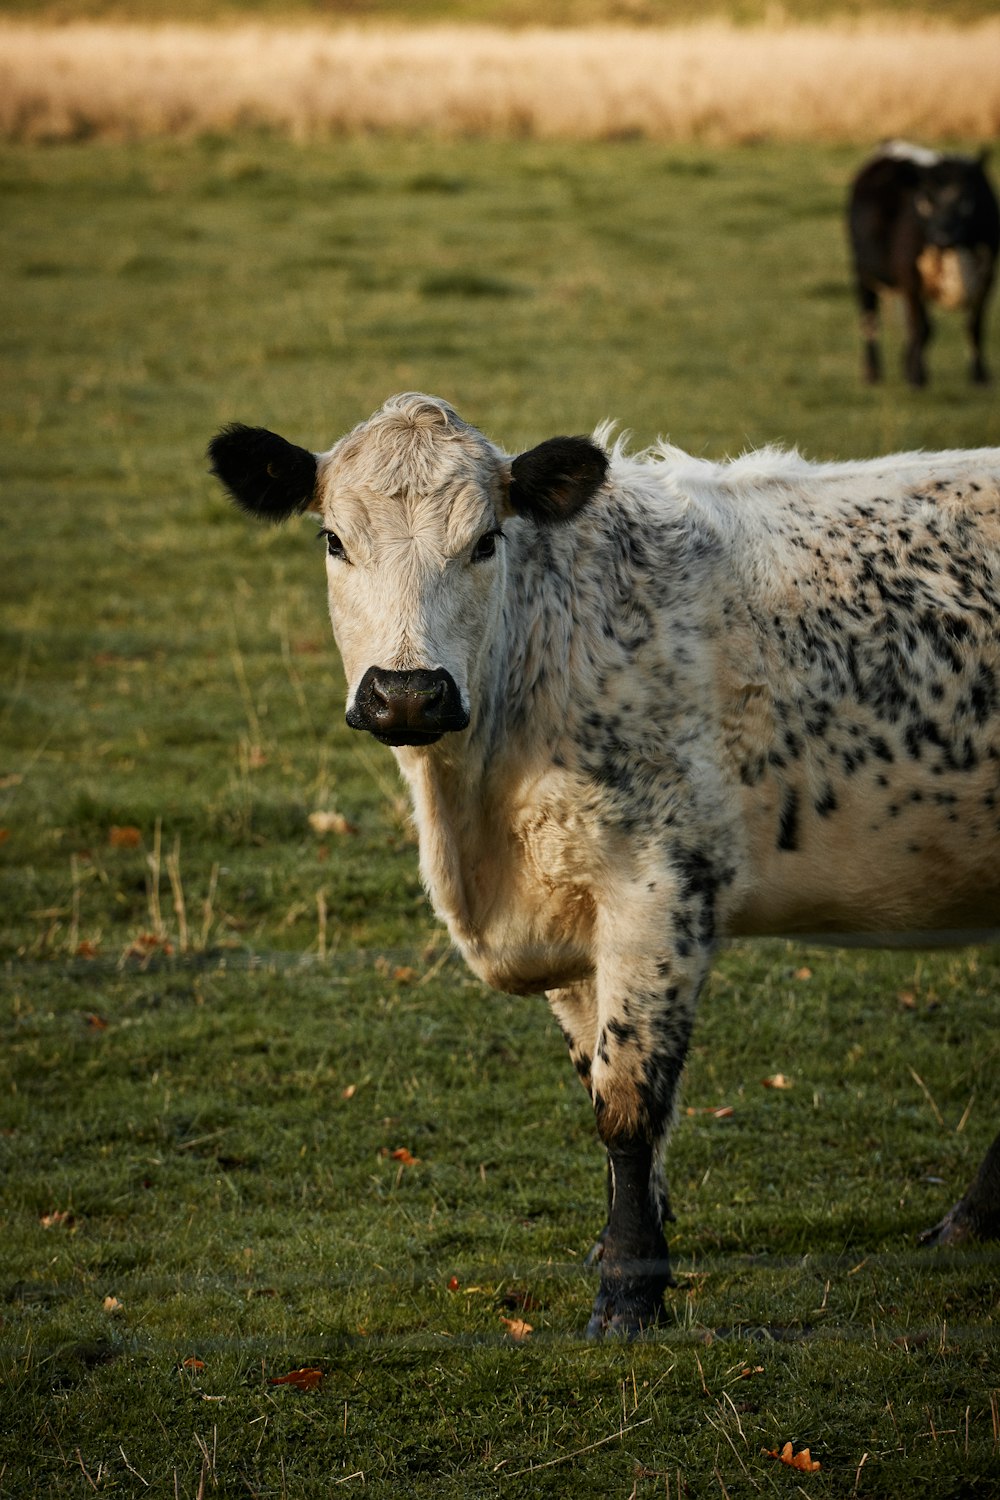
<point>711,82</point>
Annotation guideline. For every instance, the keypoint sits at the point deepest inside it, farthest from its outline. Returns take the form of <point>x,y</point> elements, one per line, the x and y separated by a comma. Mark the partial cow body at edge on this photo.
<point>645,703</point>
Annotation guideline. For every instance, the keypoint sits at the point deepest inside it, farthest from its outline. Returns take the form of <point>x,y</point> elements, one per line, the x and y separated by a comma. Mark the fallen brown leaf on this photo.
<point>147,943</point>
<point>718,1112</point>
<point>192,1363</point>
<point>124,837</point>
<point>112,1305</point>
<point>331,822</point>
<point>453,1283</point>
<point>306,1379</point>
<point>95,1022</point>
<point>777,1081</point>
<point>406,1157</point>
<point>86,949</point>
<point>404,975</point>
<point>349,1092</point>
<point>803,973</point>
<point>60,1218</point>
<point>517,1328</point>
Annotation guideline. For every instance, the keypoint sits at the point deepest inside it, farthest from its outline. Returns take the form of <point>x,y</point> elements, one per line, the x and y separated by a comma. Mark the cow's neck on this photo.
<point>465,787</point>
<point>451,808</point>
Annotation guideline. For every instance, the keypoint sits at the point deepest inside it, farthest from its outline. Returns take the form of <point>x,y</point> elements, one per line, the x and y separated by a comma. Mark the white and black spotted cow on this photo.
<point>645,703</point>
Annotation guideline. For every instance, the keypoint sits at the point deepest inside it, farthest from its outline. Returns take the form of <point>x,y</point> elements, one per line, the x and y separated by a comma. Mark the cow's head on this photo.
<point>949,200</point>
<point>412,505</point>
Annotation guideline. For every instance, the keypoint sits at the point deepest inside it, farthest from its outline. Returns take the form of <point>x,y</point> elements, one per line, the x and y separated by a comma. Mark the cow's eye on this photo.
<point>487,545</point>
<point>334,545</point>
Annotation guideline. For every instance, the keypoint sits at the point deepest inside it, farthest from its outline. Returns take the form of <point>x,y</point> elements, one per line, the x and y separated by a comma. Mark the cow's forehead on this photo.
<point>415,449</point>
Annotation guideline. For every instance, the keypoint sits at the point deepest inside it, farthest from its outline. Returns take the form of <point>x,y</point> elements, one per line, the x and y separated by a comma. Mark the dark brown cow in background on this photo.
<point>926,226</point>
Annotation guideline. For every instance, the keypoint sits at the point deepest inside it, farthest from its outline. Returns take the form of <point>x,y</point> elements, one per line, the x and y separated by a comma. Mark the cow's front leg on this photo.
<point>978,373</point>
<point>651,963</point>
<point>918,334</point>
<point>872,367</point>
<point>633,1104</point>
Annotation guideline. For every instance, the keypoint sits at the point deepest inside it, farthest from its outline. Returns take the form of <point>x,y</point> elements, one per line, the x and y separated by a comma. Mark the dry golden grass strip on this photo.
<point>711,82</point>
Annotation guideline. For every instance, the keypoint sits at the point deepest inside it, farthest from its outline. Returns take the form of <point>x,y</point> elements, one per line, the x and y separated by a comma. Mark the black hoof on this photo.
<point>625,1323</point>
<point>953,1229</point>
<point>627,1307</point>
<point>964,1222</point>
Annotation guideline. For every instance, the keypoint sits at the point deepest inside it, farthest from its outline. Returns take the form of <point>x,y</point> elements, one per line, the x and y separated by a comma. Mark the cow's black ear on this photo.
<point>556,479</point>
<point>264,474</point>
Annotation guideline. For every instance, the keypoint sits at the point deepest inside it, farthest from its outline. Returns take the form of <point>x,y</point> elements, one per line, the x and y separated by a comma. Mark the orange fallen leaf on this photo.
<point>59,1218</point>
<point>192,1363</point>
<point>453,1283</point>
<point>125,837</point>
<point>112,1305</point>
<point>331,822</point>
<point>802,1460</point>
<point>406,1157</point>
<point>749,1370</point>
<point>803,973</point>
<point>95,1022</point>
<point>517,1328</point>
<point>4,835</point>
<point>404,975</point>
<point>147,943</point>
<point>349,1092</point>
<point>777,1081</point>
<point>907,999</point>
<point>718,1112</point>
<point>86,949</point>
<point>306,1379</point>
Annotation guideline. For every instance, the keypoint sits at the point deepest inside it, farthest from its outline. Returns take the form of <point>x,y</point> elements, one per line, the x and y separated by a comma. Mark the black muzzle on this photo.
<point>407,708</point>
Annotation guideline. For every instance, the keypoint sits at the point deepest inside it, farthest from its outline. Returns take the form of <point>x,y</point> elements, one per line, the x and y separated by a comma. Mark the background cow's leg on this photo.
<point>872,355</point>
<point>918,333</point>
<point>977,1214</point>
<point>978,372</point>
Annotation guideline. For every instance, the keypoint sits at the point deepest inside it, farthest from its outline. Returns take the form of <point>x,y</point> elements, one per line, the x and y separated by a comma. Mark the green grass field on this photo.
<point>218,1028</point>
<point>499,12</point>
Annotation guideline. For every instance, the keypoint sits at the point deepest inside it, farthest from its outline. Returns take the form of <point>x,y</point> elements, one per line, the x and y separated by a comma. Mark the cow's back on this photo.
<point>883,225</point>
<point>871,773</point>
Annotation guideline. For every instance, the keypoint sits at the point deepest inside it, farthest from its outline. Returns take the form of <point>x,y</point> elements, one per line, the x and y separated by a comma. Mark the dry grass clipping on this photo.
<point>711,82</point>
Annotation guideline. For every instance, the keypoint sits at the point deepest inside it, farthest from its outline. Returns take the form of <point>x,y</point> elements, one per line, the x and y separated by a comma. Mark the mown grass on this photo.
<point>501,12</point>
<point>212,1036</point>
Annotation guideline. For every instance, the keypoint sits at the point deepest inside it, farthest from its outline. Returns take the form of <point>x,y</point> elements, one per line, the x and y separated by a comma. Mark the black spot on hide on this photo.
<point>788,830</point>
